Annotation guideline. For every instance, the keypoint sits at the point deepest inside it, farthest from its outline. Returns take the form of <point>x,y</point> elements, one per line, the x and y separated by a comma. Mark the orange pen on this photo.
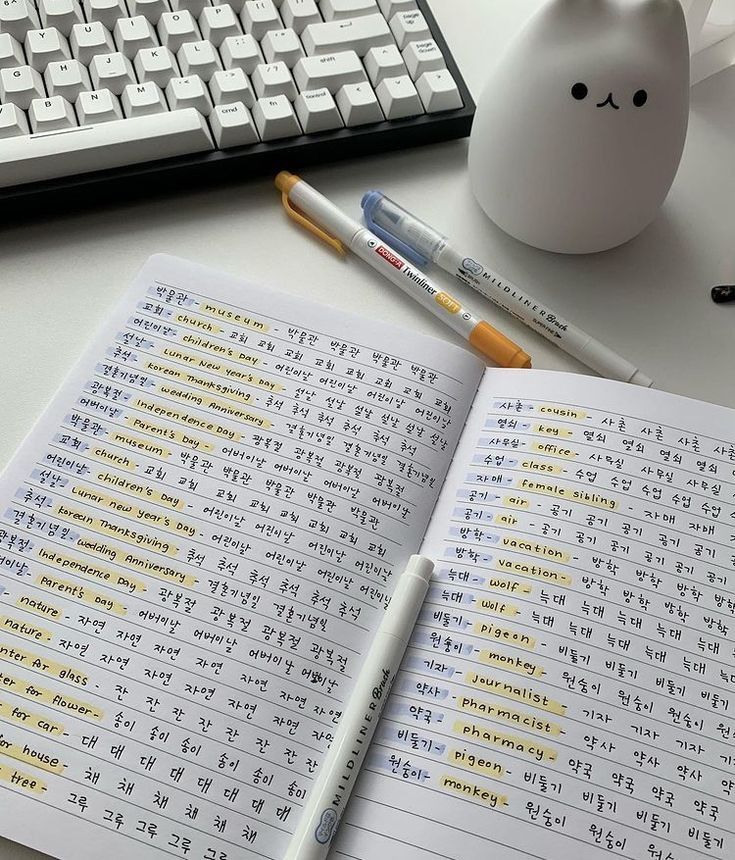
<point>321,217</point>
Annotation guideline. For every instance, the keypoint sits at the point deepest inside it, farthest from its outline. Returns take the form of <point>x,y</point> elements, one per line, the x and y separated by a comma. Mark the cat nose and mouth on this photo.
<point>609,101</point>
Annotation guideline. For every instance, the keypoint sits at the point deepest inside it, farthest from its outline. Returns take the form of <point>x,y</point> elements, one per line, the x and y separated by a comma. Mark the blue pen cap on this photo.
<point>383,220</point>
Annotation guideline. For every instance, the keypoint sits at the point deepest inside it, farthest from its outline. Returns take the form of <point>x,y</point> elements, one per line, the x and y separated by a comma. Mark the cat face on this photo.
<point>583,121</point>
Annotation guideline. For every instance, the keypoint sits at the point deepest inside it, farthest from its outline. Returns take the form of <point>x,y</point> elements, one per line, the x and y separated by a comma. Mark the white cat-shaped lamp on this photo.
<point>580,130</point>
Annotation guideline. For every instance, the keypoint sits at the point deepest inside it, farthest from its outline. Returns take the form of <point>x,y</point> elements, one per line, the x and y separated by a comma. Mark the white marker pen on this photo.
<point>339,771</point>
<point>421,244</point>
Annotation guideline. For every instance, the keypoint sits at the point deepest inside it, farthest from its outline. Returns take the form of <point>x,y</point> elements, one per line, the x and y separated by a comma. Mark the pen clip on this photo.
<point>298,216</point>
<point>369,202</point>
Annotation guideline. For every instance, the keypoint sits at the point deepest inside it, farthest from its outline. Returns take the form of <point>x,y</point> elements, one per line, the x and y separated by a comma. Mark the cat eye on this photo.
<point>579,91</point>
<point>640,98</point>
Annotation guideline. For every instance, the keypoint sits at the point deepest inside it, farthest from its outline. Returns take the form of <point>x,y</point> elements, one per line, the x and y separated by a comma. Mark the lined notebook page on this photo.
<point>196,543</point>
<point>570,689</point>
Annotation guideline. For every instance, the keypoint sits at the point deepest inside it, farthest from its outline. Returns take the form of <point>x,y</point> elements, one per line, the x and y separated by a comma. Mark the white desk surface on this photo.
<point>649,300</point>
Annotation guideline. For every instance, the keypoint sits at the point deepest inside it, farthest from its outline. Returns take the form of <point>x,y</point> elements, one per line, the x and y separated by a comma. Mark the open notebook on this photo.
<point>199,537</point>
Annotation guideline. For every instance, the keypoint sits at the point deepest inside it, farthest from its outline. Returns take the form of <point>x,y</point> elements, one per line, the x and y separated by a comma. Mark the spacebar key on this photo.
<point>35,157</point>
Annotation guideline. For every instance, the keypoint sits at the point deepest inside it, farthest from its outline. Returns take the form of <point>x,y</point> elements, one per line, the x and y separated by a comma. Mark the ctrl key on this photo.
<point>232,125</point>
<point>13,122</point>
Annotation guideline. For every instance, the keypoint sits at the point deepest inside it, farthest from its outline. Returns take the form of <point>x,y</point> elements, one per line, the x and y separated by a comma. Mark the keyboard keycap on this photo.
<point>232,125</point>
<point>423,56</point>
<point>198,58</point>
<point>88,40</point>
<point>44,47</point>
<point>189,92</point>
<point>157,65</point>
<point>219,22</point>
<point>354,34</point>
<point>18,18</point>
<point>385,62</point>
<point>438,91</point>
<point>20,86</point>
<point>241,52</point>
<point>195,7</point>
<point>273,79</point>
<point>317,111</point>
<point>332,71</point>
<point>358,105</point>
<point>390,7</point>
<point>51,114</point>
<point>13,121</point>
<point>409,27</point>
<point>282,46</point>
<point>133,34</point>
<point>259,16</point>
<point>11,52</point>
<point>67,78</point>
<point>111,71</point>
<point>109,144</point>
<point>336,9</point>
<point>175,28</point>
<point>143,99</point>
<point>275,119</point>
<point>105,11</point>
<point>231,86</point>
<point>298,14</point>
<point>62,14</point>
<point>151,10</point>
<point>97,106</point>
<point>398,97</point>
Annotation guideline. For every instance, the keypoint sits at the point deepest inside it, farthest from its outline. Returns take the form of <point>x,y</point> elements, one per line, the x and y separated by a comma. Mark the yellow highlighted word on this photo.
<point>152,449</point>
<point>140,489</point>
<point>114,458</point>
<point>585,497</point>
<point>80,592</point>
<point>197,362</point>
<point>207,402</point>
<point>12,654</point>
<point>186,439</point>
<point>24,628</point>
<point>511,586</point>
<point>536,571</point>
<point>465,758</point>
<point>214,310</point>
<point>512,663</point>
<point>516,502</point>
<point>535,548</point>
<point>473,792</point>
<point>163,410</point>
<point>35,722</point>
<point>553,450</point>
<point>569,413</point>
<point>540,467</point>
<point>49,697</point>
<point>226,351</point>
<point>132,512</point>
<point>503,634</point>
<point>102,574</point>
<point>197,323</point>
<point>518,694</point>
<point>122,533</point>
<point>148,565</point>
<point>507,742</point>
<point>506,520</point>
<point>21,780</point>
<point>497,607</point>
<point>551,430</point>
<point>507,715</point>
<point>38,607</point>
<point>29,755</point>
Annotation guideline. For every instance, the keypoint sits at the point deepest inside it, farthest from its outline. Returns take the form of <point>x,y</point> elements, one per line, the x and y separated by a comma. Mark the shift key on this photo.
<point>331,71</point>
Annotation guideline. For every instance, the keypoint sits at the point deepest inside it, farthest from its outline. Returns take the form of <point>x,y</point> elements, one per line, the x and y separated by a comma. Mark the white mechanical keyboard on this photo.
<point>94,85</point>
